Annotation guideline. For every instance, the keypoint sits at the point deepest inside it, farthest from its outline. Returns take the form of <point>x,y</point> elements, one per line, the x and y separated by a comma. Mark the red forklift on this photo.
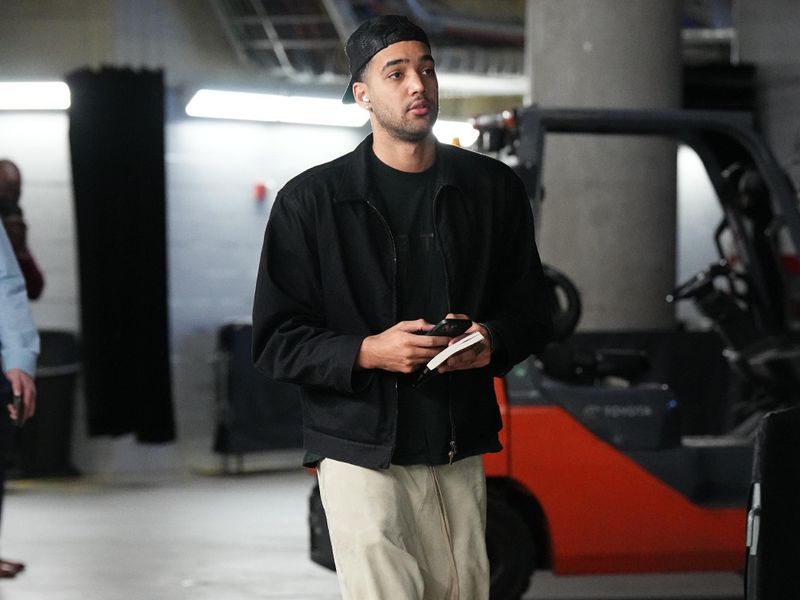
<point>632,452</point>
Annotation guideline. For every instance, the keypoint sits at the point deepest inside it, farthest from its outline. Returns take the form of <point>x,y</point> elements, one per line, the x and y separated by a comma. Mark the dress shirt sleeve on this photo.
<point>19,340</point>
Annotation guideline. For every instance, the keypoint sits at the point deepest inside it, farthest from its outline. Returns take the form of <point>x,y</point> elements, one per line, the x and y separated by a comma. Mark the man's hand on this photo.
<point>474,357</point>
<point>22,385</point>
<point>401,348</point>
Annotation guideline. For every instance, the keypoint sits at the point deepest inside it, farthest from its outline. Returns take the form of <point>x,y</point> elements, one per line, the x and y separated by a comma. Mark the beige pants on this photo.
<point>408,533</point>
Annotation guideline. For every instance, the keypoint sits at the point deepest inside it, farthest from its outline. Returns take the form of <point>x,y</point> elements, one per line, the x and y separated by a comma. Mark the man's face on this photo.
<point>403,90</point>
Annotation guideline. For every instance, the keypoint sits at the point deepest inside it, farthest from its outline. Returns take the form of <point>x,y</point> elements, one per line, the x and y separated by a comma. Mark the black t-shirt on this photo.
<point>406,202</point>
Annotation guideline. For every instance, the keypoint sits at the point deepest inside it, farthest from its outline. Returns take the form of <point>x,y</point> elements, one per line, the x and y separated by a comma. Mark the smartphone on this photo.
<point>18,407</point>
<point>450,327</point>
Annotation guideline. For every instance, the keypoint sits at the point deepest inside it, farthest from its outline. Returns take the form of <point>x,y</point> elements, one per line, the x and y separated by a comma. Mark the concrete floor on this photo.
<point>227,538</point>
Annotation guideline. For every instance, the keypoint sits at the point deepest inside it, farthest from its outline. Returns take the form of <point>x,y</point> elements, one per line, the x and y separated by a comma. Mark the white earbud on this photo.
<point>365,98</point>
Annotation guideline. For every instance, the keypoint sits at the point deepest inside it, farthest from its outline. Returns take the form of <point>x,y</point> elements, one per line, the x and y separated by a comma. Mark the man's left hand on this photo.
<point>22,385</point>
<point>474,357</point>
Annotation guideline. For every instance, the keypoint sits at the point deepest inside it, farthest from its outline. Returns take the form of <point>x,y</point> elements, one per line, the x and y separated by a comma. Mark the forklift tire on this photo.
<point>511,549</point>
<point>565,303</point>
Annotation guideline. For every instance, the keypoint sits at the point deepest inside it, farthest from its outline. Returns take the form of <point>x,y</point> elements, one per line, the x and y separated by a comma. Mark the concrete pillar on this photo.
<point>608,218</point>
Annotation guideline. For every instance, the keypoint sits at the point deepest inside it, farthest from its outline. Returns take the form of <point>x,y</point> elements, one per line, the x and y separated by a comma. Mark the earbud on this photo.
<point>365,98</point>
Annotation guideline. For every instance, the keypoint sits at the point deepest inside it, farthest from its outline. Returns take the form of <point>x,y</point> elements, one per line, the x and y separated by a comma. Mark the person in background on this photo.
<point>19,347</point>
<point>361,256</point>
<point>20,280</point>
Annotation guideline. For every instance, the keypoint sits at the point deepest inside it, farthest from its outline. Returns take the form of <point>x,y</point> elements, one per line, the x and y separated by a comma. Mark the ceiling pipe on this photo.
<point>277,46</point>
<point>342,16</point>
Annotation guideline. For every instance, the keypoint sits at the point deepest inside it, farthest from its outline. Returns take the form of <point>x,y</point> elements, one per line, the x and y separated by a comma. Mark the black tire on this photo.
<point>565,302</point>
<point>511,548</point>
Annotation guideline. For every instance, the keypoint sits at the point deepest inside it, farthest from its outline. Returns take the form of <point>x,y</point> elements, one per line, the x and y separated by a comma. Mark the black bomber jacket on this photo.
<point>327,280</point>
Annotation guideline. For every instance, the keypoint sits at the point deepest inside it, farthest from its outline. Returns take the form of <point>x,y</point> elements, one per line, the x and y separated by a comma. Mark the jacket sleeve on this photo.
<point>290,339</point>
<point>521,323</point>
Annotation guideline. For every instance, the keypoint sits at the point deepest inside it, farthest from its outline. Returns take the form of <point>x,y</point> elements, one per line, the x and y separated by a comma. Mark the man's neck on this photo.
<point>411,157</point>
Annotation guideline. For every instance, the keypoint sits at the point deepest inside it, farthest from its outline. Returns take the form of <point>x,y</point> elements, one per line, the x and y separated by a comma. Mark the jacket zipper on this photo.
<point>451,454</point>
<point>394,310</point>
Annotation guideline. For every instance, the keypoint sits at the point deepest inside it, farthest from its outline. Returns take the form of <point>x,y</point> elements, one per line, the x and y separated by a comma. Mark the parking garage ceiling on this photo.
<point>302,40</point>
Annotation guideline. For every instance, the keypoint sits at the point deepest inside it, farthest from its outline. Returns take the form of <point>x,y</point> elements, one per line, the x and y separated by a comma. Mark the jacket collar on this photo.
<point>355,184</point>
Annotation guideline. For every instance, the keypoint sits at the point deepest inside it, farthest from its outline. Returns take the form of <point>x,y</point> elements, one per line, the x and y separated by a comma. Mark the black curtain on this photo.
<point>116,136</point>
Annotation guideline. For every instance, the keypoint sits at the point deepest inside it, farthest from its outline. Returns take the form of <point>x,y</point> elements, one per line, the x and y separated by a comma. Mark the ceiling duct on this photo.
<point>297,39</point>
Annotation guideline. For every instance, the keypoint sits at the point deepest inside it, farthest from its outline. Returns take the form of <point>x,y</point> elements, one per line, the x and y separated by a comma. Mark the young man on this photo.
<point>361,256</point>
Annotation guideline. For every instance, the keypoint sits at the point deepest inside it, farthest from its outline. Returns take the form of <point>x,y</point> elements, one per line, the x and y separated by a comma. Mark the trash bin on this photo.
<point>255,413</point>
<point>44,443</point>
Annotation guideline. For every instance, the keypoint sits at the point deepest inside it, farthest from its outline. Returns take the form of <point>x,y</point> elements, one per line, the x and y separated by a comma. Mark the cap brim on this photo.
<point>348,97</point>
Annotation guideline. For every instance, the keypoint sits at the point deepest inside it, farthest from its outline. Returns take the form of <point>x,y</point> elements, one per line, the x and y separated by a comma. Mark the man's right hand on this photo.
<point>24,386</point>
<point>401,348</point>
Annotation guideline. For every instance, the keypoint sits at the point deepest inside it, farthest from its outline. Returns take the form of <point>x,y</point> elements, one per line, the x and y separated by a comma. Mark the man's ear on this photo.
<point>361,94</point>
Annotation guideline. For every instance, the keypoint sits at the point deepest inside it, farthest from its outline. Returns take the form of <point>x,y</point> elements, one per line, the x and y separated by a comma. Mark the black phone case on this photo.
<point>450,327</point>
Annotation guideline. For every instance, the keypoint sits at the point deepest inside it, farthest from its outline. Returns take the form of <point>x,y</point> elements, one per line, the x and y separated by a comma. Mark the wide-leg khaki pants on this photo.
<point>408,532</point>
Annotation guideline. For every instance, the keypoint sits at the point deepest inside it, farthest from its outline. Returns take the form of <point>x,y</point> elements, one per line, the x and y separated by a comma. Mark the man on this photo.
<point>19,346</point>
<point>361,255</point>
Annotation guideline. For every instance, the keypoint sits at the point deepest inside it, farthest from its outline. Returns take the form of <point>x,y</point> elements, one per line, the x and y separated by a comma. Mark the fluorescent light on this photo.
<point>246,106</point>
<point>466,84</point>
<point>34,95</point>
<point>448,131</point>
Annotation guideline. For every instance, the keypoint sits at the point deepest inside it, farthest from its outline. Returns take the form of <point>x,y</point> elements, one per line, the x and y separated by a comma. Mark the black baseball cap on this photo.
<point>372,36</point>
